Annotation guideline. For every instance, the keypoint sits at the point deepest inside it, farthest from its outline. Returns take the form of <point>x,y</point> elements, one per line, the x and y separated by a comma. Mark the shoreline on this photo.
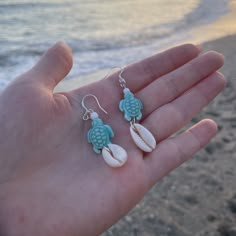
<point>224,26</point>
<point>221,29</point>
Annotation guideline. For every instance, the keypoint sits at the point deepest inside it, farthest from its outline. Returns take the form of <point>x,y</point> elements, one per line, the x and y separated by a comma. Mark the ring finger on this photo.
<point>169,118</point>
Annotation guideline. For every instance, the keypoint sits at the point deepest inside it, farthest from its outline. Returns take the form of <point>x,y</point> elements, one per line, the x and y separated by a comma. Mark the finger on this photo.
<point>171,85</point>
<point>142,73</point>
<point>168,119</point>
<point>54,65</point>
<point>172,152</point>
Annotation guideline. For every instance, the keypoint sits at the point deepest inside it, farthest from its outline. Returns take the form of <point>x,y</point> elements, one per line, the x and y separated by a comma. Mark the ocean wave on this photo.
<point>202,14</point>
<point>25,5</point>
<point>98,53</point>
<point>207,11</point>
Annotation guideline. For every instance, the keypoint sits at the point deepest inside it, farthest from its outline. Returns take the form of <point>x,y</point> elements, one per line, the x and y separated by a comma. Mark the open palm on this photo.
<point>51,181</point>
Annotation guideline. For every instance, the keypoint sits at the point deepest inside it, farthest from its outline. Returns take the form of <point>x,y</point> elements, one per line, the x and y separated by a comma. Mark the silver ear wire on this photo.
<point>121,79</point>
<point>88,112</point>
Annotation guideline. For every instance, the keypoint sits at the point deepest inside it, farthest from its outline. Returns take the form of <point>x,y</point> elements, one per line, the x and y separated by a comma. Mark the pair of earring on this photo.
<point>100,134</point>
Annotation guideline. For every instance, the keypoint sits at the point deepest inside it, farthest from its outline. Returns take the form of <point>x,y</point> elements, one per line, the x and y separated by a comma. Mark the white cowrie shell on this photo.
<point>114,155</point>
<point>142,137</point>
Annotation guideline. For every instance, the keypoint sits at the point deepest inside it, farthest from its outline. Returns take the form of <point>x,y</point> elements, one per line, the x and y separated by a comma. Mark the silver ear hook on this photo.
<point>88,112</point>
<point>121,79</point>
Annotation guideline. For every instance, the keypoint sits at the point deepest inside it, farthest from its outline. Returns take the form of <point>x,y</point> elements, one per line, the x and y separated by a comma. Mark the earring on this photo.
<point>131,107</point>
<point>100,137</point>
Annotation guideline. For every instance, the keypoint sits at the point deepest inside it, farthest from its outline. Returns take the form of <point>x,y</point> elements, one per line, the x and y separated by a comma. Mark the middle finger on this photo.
<point>170,86</point>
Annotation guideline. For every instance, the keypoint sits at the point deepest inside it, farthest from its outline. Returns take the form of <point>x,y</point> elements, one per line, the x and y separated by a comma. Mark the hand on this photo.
<point>51,181</point>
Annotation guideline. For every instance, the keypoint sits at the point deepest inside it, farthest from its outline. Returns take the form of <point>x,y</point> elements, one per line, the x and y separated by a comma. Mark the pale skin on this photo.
<point>51,181</point>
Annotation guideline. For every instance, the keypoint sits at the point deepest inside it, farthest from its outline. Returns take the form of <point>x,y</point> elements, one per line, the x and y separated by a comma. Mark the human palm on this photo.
<point>51,181</point>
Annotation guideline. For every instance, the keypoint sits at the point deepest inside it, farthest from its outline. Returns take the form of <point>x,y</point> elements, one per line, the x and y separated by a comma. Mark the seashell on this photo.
<point>114,155</point>
<point>142,137</point>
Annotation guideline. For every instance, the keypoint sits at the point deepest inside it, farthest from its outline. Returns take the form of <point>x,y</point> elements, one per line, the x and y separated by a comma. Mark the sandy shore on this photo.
<point>199,198</point>
<point>225,25</point>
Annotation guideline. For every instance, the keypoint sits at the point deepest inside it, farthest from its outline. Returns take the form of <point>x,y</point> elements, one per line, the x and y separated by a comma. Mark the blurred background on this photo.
<point>102,33</point>
<point>199,198</point>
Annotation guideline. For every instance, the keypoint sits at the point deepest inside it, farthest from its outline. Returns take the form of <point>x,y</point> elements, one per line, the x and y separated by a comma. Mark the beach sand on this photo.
<point>198,198</point>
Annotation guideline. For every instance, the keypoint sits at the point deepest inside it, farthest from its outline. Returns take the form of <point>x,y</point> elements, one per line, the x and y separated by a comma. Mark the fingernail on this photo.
<point>62,44</point>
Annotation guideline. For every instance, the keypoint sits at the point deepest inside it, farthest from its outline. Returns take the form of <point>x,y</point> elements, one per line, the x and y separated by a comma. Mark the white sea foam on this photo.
<point>102,35</point>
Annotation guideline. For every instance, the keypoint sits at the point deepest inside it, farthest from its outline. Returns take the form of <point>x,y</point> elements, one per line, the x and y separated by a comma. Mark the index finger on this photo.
<point>141,73</point>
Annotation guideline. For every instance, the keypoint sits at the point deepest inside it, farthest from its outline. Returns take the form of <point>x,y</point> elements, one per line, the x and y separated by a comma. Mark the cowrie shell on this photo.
<point>114,155</point>
<point>142,137</point>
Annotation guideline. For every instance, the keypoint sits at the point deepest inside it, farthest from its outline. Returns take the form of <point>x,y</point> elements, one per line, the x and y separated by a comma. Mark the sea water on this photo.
<point>101,33</point>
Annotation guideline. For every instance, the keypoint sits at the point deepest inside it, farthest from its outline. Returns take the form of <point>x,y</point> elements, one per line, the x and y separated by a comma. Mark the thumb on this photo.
<point>53,66</point>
